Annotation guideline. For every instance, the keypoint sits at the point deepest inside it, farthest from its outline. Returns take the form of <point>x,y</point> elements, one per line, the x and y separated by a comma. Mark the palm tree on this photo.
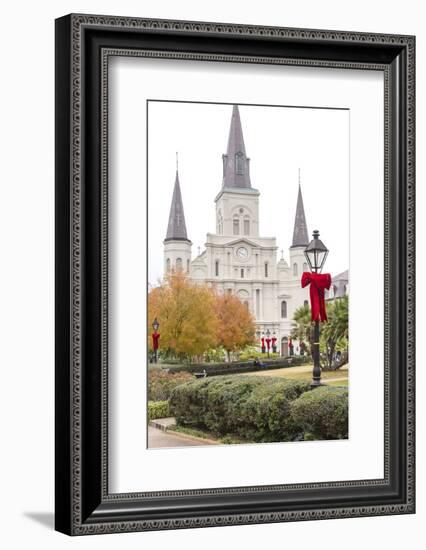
<point>302,325</point>
<point>334,333</point>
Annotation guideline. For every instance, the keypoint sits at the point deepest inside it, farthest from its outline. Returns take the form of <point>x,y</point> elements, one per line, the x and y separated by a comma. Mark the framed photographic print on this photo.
<point>234,274</point>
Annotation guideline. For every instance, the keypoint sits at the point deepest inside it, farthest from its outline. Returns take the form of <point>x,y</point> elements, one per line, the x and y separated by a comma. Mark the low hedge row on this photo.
<point>240,367</point>
<point>261,409</point>
<point>158,409</point>
<point>254,408</point>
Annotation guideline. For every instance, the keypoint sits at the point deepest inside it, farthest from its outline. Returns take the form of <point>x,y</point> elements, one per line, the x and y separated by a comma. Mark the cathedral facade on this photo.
<point>237,259</point>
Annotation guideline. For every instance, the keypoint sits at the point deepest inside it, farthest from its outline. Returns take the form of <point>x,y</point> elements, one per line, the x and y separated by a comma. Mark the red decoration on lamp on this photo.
<point>318,283</point>
<point>155,338</point>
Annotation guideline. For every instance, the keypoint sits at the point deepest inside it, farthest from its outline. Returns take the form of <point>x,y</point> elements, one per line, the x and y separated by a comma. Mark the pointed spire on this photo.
<point>236,165</point>
<point>176,230</point>
<point>300,233</point>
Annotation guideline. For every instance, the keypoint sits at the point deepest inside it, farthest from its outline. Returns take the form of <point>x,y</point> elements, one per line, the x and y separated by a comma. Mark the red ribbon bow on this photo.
<point>155,338</point>
<point>319,282</point>
<point>263,342</point>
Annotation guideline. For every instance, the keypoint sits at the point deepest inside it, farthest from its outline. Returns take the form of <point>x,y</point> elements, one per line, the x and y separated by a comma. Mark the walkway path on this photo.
<point>159,439</point>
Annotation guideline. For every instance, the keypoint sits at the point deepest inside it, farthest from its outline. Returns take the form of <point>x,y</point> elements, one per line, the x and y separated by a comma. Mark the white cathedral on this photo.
<point>236,258</point>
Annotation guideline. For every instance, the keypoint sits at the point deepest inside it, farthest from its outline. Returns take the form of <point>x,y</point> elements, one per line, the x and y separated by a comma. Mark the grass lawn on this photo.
<point>205,434</point>
<point>342,382</point>
<point>304,372</point>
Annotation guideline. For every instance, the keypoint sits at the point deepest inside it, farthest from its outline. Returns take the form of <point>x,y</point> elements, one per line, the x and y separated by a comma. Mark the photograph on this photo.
<point>248,273</point>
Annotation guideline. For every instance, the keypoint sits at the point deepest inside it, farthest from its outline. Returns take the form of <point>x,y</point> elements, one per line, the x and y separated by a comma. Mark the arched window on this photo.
<point>266,269</point>
<point>216,268</point>
<point>239,163</point>
<point>305,266</point>
<point>168,264</point>
<point>295,270</point>
<point>224,163</point>
<point>284,309</point>
<point>246,226</point>
<point>236,225</point>
<point>305,303</point>
<point>242,273</point>
<point>334,291</point>
<point>187,266</point>
<point>345,289</point>
<point>178,263</point>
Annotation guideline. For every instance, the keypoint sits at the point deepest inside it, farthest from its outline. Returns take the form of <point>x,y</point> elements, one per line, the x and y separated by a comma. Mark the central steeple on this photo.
<point>236,165</point>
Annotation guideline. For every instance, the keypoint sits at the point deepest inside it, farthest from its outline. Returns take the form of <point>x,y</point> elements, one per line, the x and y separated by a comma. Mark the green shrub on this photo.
<point>322,413</point>
<point>254,408</point>
<point>251,355</point>
<point>158,409</point>
<point>161,383</point>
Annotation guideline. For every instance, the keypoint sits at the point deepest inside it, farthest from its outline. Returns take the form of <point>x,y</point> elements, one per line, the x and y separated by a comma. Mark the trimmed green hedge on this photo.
<point>322,413</point>
<point>158,409</point>
<point>262,409</point>
<point>254,408</point>
<point>240,367</point>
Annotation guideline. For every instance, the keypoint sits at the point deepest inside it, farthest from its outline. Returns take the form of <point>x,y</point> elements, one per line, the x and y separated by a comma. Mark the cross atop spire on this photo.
<point>236,165</point>
<point>300,233</point>
<point>176,230</point>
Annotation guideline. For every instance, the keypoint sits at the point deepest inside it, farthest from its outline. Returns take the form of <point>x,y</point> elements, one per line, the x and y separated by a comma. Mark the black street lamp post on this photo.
<point>274,342</point>
<point>155,338</point>
<point>268,340</point>
<point>316,253</point>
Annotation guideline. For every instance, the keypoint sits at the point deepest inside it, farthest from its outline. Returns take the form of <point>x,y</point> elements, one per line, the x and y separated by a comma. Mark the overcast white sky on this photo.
<point>279,141</point>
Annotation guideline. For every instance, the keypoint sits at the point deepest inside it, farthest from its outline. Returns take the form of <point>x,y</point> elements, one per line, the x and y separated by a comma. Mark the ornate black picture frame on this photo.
<point>83,46</point>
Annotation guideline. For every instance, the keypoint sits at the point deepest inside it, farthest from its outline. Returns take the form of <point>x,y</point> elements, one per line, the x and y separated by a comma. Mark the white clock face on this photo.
<point>242,252</point>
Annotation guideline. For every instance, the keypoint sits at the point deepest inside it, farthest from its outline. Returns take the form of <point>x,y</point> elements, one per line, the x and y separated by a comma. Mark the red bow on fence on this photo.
<point>155,338</point>
<point>319,282</point>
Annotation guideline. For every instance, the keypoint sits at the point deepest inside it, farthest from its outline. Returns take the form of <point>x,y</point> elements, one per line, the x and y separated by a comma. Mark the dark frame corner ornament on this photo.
<point>83,45</point>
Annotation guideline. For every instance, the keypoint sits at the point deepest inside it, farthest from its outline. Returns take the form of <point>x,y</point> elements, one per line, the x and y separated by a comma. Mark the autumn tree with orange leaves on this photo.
<point>235,323</point>
<point>195,318</point>
<point>185,310</point>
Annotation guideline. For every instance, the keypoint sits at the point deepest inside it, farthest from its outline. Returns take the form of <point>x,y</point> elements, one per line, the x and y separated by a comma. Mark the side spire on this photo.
<point>176,229</point>
<point>236,165</point>
<point>300,232</point>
